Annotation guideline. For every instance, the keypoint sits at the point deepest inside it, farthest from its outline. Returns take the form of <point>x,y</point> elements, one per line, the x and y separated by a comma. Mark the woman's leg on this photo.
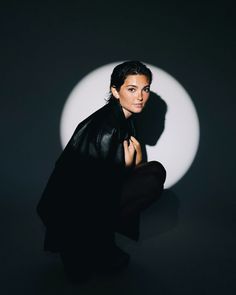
<point>143,187</point>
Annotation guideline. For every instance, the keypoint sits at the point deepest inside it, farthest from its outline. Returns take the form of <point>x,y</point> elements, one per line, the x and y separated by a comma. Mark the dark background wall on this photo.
<point>46,48</point>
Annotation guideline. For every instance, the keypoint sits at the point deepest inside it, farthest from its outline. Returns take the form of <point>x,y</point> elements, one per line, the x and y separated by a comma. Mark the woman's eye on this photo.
<point>147,89</point>
<point>131,89</point>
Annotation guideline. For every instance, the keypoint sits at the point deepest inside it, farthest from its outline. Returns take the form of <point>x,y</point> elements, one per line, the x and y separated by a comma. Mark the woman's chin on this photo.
<point>137,110</point>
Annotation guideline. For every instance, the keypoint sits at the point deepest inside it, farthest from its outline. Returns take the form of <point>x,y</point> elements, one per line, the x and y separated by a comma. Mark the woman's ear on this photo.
<point>115,92</point>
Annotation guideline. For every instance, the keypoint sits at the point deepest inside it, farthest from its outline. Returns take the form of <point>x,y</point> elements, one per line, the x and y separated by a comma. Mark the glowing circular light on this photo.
<point>177,145</point>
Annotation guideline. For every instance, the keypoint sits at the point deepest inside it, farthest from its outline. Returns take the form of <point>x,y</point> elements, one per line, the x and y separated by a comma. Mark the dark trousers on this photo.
<point>143,187</point>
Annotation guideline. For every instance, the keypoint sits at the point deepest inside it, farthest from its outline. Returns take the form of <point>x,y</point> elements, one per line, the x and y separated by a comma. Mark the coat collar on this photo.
<point>118,112</point>
<point>126,125</point>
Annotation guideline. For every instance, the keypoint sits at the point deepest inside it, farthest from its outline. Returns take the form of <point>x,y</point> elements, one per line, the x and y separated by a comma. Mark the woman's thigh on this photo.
<point>144,185</point>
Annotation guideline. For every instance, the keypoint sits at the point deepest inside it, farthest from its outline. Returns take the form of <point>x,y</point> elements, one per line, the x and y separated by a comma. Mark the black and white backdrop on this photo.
<point>187,243</point>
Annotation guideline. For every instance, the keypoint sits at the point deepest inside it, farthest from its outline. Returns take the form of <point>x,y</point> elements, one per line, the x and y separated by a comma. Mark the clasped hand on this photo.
<point>132,151</point>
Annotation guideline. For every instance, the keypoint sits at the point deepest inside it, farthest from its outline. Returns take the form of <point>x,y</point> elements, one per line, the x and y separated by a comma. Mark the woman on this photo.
<point>99,184</point>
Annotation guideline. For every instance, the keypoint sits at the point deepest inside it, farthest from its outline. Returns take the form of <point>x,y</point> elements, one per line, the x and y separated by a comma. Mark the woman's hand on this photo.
<point>132,151</point>
<point>138,150</point>
<point>129,151</point>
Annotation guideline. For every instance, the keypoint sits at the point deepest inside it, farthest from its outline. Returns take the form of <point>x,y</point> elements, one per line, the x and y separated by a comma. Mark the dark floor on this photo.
<point>177,253</point>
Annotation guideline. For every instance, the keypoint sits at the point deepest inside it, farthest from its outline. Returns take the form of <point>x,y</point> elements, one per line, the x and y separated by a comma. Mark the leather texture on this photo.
<point>101,135</point>
<point>81,199</point>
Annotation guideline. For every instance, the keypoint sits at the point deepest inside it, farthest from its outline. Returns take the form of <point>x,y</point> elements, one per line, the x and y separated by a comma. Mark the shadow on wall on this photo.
<point>162,216</point>
<point>151,122</point>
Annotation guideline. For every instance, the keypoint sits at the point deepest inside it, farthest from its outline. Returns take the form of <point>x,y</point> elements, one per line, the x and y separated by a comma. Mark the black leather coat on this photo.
<point>81,198</point>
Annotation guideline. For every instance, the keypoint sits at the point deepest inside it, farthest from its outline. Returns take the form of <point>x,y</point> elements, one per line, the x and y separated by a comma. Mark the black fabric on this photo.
<point>83,191</point>
<point>142,188</point>
<point>81,204</point>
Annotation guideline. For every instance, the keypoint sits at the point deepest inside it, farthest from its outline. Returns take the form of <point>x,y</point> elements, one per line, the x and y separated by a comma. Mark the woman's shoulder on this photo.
<point>101,122</point>
<point>97,134</point>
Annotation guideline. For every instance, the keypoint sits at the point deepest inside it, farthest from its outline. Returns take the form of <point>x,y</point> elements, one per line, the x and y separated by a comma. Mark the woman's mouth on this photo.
<point>138,105</point>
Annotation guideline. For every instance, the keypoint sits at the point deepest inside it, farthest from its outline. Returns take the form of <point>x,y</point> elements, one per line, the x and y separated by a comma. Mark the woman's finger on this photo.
<point>125,144</point>
<point>129,152</point>
<point>133,139</point>
<point>135,143</point>
<point>131,146</point>
<point>138,149</point>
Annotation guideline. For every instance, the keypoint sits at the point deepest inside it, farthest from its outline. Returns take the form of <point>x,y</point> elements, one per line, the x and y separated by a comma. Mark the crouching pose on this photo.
<point>100,184</point>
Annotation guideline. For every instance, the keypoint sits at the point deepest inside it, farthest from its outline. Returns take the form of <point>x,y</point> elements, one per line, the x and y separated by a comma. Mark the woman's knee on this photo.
<point>157,169</point>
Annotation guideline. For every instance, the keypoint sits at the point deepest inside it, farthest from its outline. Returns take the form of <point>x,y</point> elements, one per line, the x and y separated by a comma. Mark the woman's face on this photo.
<point>133,94</point>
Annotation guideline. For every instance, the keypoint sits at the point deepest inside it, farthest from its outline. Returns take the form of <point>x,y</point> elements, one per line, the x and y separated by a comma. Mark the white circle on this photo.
<point>177,145</point>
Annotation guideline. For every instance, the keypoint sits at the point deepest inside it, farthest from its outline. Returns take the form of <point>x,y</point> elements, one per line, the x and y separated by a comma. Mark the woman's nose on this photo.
<point>140,96</point>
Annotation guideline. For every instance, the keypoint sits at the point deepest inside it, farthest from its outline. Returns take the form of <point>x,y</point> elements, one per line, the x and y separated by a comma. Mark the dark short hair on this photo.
<point>123,70</point>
